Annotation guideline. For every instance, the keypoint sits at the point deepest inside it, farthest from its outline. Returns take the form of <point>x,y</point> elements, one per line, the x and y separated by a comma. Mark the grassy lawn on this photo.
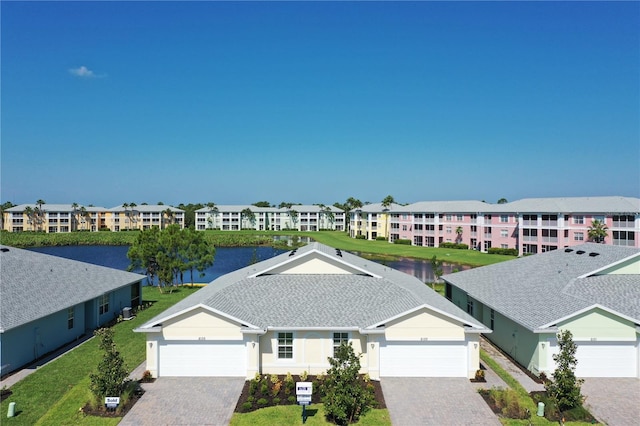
<point>292,415</point>
<point>341,240</point>
<point>54,393</point>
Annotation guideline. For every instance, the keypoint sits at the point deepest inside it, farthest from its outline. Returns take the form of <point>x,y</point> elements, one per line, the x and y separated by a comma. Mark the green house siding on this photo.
<point>599,324</point>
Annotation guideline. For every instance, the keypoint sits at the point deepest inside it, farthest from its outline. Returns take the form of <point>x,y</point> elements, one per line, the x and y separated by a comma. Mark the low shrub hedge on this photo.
<point>457,246</point>
<point>503,251</point>
<point>402,241</point>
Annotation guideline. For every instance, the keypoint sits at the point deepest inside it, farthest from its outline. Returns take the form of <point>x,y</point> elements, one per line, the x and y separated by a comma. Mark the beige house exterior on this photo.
<point>288,313</point>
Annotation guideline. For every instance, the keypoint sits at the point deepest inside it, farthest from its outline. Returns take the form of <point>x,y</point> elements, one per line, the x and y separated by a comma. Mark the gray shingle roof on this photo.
<point>536,290</point>
<point>611,204</point>
<point>373,294</point>
<point>34,285</point>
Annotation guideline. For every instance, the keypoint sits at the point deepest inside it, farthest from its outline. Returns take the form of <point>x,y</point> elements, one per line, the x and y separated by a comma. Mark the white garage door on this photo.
<point>202,359</point>
<point>423,359</point>
<point>604,359</point>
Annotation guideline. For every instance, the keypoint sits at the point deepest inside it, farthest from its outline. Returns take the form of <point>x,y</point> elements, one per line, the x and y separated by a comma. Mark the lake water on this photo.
<point>227,259</point>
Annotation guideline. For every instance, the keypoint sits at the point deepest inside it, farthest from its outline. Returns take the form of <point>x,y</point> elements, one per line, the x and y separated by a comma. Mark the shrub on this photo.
<point>381,238</point>
<point>111,378</point>
<point>275,390</point>
<point>361,237</point>
<point>345,398</point>
<point>264,388</point>
<point>247,406</point>
<point>274,378</point>
<point>253,387</point>
<point>503,251</point>
<point>262,402</point>
<point>402,241</point>
<point>508,401</point>
<point>304,376</point>
<point>292,399</point>
<point>276,401</point>
<point>146,376</point>
<point>455,246</point>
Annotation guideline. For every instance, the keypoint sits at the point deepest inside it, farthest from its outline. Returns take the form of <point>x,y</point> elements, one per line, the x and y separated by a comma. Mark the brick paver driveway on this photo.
<point>613,401</point>
<point>435,401</point>
<point>186,401</point>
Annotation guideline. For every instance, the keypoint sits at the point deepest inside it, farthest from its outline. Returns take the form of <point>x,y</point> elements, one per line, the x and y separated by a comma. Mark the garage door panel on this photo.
<point>603,359</point>
<point>423,359</point>
<point>202,359</point>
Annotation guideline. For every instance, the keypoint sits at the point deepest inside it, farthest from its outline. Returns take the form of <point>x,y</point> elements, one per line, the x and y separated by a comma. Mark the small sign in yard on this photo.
<point>111,402</point>
<point>304,390</point>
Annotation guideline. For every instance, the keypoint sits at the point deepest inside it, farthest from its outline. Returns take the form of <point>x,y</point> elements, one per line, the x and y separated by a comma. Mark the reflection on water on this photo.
<point>420,269</point>
<point>229,259</point>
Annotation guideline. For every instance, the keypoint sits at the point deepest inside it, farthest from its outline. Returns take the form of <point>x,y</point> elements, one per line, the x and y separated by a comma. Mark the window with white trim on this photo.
<point>338,339</point>
<point>578,220</point>
<point>70,314</point>
<point>285,345</point>
<point>104,304</point>
<point>578,236</point>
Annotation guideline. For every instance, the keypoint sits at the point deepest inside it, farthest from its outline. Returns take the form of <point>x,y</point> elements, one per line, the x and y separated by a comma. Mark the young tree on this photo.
<point>564,388</point>
<point>459,232</point>
<point>436,267</point>
<point>111,378</point>
<point>346,397</point>
<point>249,216</point>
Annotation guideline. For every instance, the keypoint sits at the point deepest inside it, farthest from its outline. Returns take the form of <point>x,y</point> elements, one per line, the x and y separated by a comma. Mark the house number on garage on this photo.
<point>202,338</point>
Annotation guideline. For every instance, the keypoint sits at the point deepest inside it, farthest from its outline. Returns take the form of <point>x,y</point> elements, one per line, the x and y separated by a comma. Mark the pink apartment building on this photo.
<point>531,225</point>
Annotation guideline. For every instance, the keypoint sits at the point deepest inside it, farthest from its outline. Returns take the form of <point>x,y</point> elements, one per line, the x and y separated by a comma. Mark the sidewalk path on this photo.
<point>508,365</point>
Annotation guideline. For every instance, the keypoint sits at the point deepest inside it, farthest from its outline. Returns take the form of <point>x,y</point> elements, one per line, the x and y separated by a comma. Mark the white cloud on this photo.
<point>83,72</point>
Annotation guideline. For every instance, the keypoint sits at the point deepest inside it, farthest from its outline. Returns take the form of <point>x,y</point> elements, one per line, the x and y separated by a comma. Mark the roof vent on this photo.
<point>292,253</point>
<point>4,249</point>
<point>594,254</point>
<point>568,250</point>
<point>580,252</point>
<point>338,252</point>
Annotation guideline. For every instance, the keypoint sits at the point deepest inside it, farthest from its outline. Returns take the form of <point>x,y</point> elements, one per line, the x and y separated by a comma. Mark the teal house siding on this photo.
<point>38,292</point>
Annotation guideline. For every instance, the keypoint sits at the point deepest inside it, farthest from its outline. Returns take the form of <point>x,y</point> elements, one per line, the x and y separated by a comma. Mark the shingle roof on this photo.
<point>373,294</point>
<point>450,206</point>
<point>34,285</point>
<point>611,204</point>
<point>536,290</point>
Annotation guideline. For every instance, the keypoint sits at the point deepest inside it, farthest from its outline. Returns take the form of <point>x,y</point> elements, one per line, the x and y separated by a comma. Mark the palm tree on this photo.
<point>170,215</point>
<point>597,231</point>
<point>459,234</point>
<point>30,216</point>
<point>132,214</point>
<point>213,212</point>
<point>74,213</point>
<point>125,206</point>
<point>39,213</point>
<point>249,215</point>
<point>3,209</point>
<point>388,200</point>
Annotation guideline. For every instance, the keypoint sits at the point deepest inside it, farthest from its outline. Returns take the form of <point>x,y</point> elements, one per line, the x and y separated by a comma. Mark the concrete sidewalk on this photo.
<point>510,367</point>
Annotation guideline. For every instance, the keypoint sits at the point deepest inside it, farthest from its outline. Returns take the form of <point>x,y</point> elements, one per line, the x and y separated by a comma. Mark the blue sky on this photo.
<point>237,102</point>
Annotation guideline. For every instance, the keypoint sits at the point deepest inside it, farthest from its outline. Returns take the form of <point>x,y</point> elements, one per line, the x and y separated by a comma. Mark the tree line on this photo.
<point>167,254</point>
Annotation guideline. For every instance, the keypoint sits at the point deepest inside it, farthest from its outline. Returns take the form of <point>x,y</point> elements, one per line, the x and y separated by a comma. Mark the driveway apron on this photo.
<point>435,401</point>
<point>186,401</point>
<point>613,401</point>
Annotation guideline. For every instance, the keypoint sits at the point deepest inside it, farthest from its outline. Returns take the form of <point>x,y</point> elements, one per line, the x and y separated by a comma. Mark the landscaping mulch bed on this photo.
<point>284,397</point>
<point>101,411</point>
<point>4,394</point>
